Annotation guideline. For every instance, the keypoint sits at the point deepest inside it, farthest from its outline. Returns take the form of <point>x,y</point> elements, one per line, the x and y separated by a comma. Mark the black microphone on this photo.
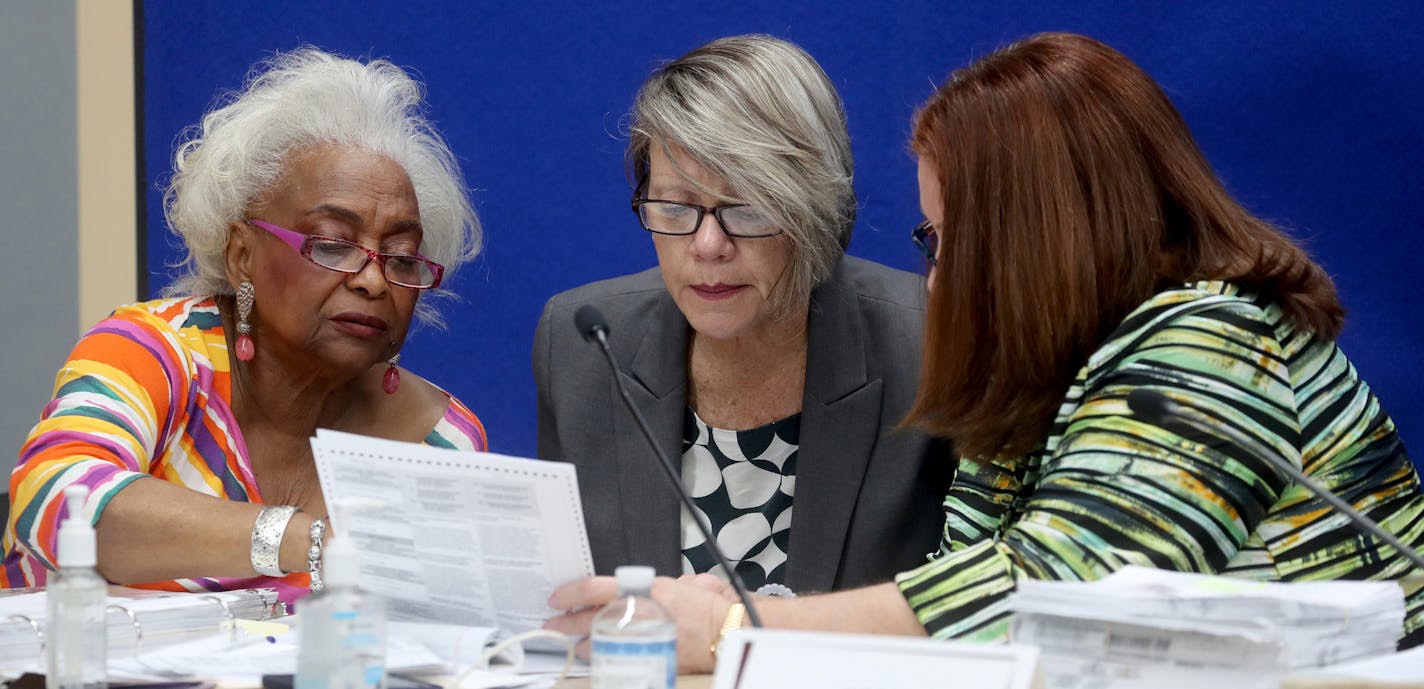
<point>591,324</point>
<point>594,328</point>
<point>1156,408</point>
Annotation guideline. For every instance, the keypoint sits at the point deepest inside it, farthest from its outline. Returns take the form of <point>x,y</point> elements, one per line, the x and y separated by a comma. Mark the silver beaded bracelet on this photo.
<point>775,590</point>
<point>267,538</point>
<point>318,530</point>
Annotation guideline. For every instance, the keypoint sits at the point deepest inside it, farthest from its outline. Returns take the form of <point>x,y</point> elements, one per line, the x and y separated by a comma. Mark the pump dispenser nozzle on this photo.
<point>77,544</point>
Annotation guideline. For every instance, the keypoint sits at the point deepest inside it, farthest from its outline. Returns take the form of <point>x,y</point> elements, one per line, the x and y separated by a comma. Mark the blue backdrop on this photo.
<point>1312,112</point>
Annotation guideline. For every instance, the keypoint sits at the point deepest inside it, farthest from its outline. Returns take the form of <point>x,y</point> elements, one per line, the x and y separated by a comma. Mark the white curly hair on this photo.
<point>290,101</point>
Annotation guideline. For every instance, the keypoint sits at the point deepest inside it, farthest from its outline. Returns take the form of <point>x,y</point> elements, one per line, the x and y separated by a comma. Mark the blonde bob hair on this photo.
<point>290,101</point>
<point>759,113</point>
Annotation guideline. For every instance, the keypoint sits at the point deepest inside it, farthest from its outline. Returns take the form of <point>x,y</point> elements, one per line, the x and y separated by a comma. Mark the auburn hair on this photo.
<point>1072,192</point>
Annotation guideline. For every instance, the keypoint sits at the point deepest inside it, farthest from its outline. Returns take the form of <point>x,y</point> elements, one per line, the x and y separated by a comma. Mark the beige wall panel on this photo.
<point>108,214</point>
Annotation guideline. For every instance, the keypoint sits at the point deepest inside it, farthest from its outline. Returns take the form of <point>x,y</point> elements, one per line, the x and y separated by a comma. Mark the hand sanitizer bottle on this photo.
<point>76,633</point>
<point>341,632</point>
<point>634,639</point>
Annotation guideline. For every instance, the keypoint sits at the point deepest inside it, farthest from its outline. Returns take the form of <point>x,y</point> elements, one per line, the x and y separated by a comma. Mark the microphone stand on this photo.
<point>599,333</point>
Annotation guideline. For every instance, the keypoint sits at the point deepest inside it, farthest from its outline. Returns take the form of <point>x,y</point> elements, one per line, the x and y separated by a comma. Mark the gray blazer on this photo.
<point>868,498</point>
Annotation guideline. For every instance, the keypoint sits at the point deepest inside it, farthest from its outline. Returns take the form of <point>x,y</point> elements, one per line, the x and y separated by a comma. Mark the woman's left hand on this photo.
<point>694,603</point>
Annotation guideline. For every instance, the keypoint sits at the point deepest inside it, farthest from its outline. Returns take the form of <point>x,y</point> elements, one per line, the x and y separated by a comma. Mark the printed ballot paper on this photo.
<point>467,538</point>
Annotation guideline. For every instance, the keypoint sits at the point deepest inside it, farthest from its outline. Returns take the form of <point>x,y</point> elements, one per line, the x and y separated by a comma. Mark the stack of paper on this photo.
<point>1141,627</point>
<point>138,620</point>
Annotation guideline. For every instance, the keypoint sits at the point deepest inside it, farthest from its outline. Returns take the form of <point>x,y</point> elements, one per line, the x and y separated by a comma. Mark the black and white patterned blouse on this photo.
<point>743,483</point>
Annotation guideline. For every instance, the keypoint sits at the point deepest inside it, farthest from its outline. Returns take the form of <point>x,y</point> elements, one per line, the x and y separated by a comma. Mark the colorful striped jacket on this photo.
<point>147,392</point>
<point>1108,489</point>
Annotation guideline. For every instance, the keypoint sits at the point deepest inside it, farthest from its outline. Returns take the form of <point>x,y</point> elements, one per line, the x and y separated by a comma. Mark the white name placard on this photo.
<point>776,659</point>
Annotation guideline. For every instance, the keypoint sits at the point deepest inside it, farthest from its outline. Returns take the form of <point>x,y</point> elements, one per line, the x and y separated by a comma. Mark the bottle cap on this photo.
<point>341,562</point>
<point>77,544</point>
<point>634,578</point>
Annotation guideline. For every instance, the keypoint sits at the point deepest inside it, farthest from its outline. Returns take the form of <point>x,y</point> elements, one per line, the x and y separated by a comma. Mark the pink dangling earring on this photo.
<point>391,381</point>
<point>245,294</point>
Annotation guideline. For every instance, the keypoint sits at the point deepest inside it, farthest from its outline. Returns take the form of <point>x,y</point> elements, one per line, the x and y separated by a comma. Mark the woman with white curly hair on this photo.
<point>317,206</point>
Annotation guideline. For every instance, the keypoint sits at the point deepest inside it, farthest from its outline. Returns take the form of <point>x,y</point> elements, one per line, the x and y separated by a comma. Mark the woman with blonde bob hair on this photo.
<point>317,207</point>
<point>1083,250</point>
<point>772,365</point>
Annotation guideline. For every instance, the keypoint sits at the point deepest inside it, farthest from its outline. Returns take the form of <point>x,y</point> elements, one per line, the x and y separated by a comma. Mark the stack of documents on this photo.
<point>1149,627</point>
<point>138,620</point>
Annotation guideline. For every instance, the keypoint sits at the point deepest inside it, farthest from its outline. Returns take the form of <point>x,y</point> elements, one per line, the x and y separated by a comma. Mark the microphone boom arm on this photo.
<point>599,334</point>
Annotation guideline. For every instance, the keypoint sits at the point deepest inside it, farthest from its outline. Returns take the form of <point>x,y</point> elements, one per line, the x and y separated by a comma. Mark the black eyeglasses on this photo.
<point>680,219</point>
<point>926,239</point>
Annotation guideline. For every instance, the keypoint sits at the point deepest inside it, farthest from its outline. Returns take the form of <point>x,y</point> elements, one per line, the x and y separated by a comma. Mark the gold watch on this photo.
<point>736,619</point>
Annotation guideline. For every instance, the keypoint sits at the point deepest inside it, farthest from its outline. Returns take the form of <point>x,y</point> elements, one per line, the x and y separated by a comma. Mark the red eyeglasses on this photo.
<point>342,256</point>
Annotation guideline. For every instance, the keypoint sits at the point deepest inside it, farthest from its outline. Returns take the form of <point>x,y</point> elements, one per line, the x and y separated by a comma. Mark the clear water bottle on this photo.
<point>634,639</point>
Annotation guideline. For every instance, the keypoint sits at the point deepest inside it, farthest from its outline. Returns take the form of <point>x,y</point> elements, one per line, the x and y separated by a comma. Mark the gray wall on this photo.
<point>39,292</point>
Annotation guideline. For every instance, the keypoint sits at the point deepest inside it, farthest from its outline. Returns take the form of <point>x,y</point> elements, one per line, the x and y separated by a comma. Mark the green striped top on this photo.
<point>1107,489</point>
